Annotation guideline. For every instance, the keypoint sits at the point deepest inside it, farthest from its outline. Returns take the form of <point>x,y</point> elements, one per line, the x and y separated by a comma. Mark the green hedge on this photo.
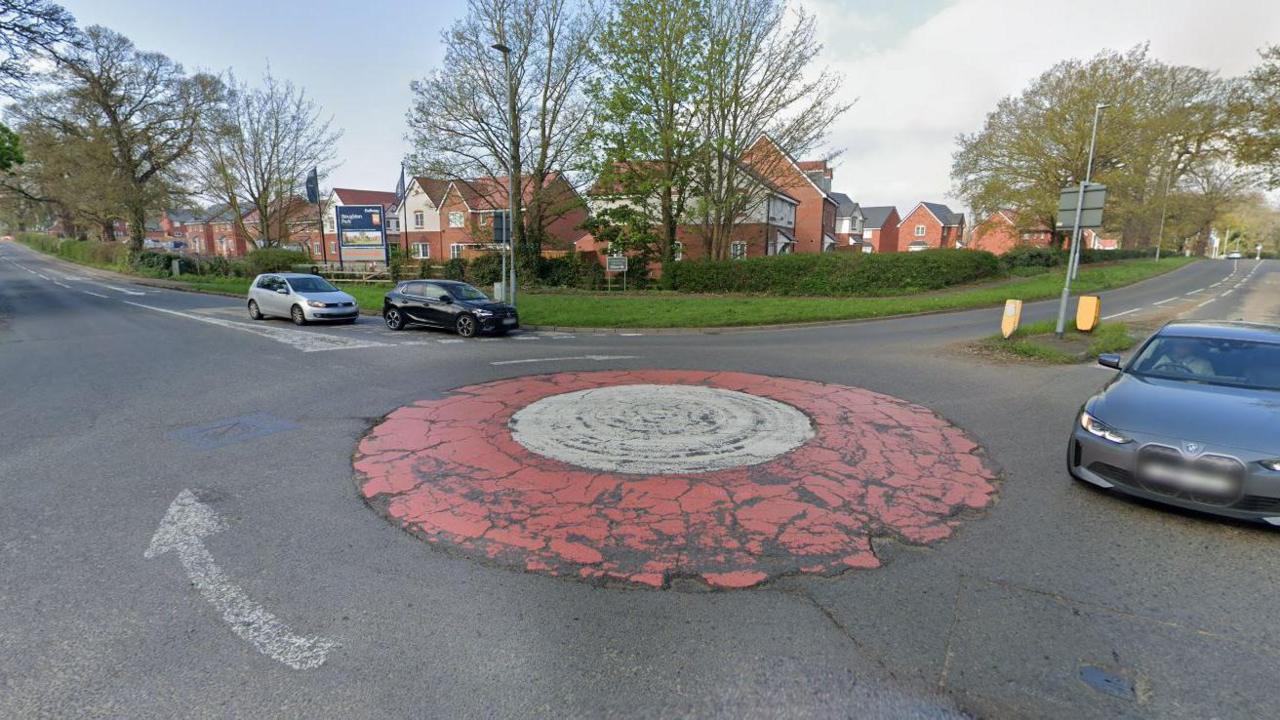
<point>835,274</point>
<point>1051,257</point>
<point>82,251</point>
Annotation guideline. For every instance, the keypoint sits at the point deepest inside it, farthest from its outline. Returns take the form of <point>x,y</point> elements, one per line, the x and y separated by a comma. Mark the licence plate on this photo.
<point>1187,479</point>
<point>508,321</point>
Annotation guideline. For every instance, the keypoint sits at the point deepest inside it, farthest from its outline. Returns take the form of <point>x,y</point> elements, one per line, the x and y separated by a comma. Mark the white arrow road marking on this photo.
<point>184,524</point>
<point>597,358</point>
<point>303,340</point>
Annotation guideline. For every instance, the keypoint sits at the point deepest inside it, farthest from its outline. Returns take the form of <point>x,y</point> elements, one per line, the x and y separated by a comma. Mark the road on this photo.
<point>272,589</point>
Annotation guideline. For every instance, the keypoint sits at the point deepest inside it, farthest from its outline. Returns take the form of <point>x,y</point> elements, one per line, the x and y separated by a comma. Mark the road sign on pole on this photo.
<point>1094,197</point>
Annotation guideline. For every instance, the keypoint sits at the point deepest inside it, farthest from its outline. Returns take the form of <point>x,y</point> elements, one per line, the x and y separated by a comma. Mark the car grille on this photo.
<point>1110,472</point>
<point>1210,464</point>
<point>1258,503</point>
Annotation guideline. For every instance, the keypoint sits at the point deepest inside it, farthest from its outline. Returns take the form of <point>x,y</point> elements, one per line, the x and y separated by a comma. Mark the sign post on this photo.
<point>362,234</point>
<point>313,197</point>
<point>1078,208</point>
<point>615,264</point>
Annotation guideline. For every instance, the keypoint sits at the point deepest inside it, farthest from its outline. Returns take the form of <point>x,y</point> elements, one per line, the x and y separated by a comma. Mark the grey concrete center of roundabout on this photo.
<point>207,517</point>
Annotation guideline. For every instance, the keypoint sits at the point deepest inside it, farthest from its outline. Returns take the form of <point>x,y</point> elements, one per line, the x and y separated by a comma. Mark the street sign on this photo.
<point>313,188</point>
<point>1095,196</point>
<point>501,228</point>
<point>616,263</point>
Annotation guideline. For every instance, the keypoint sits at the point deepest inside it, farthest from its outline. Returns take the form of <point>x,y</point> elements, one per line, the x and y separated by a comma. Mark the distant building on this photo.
<point>880,229</point>
<point>850,220</point>
<point>930,226</point>
<point>1003,231</point>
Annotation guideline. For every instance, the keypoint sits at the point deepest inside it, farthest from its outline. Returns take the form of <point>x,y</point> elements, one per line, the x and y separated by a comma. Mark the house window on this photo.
<point>417,218</point>
<point>919,231</point>
<point>421,251</point>
<point>737,250</point>
<point>677,251</point>
<point>456,219</point>
<point>868,234</point>
<point>455,250</point>
<point>328,223</point>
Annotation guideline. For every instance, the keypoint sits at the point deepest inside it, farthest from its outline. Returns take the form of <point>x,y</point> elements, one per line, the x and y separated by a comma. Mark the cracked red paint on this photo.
<point>450,471</point>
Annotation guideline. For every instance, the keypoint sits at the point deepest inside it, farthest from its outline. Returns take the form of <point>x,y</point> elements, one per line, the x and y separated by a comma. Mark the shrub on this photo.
<point>456,269</point>
<point>485,270</point>
<point>88,252</point>
<point>395,263</point>
<point>1031,256</point>
<point>424,269</point>
<point>1028,270</point>
<point>265,260</point>
<point>835,274</point>
<point>574,270</point>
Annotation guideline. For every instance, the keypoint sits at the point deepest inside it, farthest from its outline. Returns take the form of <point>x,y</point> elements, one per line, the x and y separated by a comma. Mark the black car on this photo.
<point>447,304</point>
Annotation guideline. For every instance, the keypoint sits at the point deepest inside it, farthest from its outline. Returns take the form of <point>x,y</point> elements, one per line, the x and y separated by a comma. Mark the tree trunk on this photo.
<point>137,227</point>
<point>108,229</point>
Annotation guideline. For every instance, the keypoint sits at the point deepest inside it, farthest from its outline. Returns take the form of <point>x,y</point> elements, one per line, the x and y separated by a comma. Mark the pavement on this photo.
<point>183,533</point>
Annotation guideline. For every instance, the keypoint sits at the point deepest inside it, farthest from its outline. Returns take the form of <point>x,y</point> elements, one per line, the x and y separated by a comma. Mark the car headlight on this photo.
<point>484,313</point>
<point>1271,464</point>
<point>316,303</point>
<point>1094,426</point>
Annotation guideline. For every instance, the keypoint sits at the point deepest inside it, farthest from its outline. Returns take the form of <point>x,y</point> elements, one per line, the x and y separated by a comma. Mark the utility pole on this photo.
<point>513,171</point>
<point>1073,259</point>
<point>1163,208</point>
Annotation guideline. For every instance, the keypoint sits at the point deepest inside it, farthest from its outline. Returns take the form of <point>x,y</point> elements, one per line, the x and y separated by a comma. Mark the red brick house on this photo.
<point>880,228</point>
<point>1095,240</point>
<point>299,218</point>
<point>216,232</point>
<point>930,226</point>
<point>808,182</point>
<point>1002,232</point>
<point>468,208</point>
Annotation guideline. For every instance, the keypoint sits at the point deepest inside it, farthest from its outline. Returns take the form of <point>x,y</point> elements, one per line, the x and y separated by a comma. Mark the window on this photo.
<point>416,289</point>
<point>677,251</point>
<point>456,219</point>
<point>737,250</point>
<point>919,231</point>
<point>417,218</point>
<point>421,251</point>
<point>328,223</point>
<point>868,234</point>
<point>455,250</point>
<point>266,282</point>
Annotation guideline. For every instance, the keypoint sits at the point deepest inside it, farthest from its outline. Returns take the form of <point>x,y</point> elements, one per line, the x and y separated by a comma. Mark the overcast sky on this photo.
<point>923,70</point>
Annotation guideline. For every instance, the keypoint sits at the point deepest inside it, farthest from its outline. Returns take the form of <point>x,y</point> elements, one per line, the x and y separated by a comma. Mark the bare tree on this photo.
<point>257,156</point>
<point>151,112</point>
<point>459,121</point>
<point>29,28</point>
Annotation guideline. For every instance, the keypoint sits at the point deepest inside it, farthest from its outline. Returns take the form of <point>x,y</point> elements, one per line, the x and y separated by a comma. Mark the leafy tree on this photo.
<point>1260,143</point>
<point>27,28</point>
<point>10,149</point>
<point>145,105</point>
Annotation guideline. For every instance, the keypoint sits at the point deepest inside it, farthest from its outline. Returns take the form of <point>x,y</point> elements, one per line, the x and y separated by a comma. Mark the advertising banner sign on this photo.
<point>362,232</point>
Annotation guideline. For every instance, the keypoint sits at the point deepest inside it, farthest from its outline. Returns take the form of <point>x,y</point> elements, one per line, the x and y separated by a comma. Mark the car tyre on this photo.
<point>254,312</point>
<point>298,317</point>
<point>393,318</point>
<point>465,326</point>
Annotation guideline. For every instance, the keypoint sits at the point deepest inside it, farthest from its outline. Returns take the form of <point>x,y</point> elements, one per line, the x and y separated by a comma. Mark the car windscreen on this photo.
<point>462,291</point>
<point>311,284</point>
<point>1238,363</point>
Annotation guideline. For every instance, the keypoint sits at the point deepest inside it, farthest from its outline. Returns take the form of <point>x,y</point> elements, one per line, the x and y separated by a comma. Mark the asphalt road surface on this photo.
<point>180,535</point>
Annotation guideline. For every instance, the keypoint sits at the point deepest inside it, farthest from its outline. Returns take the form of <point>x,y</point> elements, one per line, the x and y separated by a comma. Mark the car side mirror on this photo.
<point>282,291</point>
<point>446,299</point>
<point>1110,360</point>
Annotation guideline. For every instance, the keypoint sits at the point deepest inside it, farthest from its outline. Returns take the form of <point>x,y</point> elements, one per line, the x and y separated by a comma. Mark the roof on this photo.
<point>350,196</point>
<point>218,213</point>
<point>1223,331</point>
<point>944,213</point>
<point>490,194</point>
<point>435,188</point>
<point>877,216</point>
<point>181,216</point>
<point>845,206</point>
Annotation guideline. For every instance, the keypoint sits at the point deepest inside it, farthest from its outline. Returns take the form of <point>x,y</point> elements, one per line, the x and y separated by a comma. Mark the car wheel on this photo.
<point>298,317</point>
<point>465,326</point>
<point>254,312</point>
<point>393,318</point>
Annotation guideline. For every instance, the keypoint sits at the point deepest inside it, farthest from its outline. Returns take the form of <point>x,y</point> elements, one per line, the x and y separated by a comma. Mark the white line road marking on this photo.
<point>630,334</point>
<point>187,521</point>
<point>1226,293</point>
<point>1206,302</point>
<point>303,340</point>
<point>121,290</point>
<point>1166,300</point>
<point>526,337</point>
<point>43,276</point>
<point>1216,284</point>
<point>61,284</point>
<point>98,295</point>
<point>1121,314</point>
<point>1193,292</point>
<point>450,341</point>
<point>597,358</point>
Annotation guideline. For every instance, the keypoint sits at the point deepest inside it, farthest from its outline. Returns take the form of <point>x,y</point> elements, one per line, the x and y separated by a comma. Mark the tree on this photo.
<point>1259,144</point>
<point>1164,122</point>
<point>10,149</point>
<point>27,28</point>
<point>646,97</point>
<point>460,123</point>
<point>151,112</point>
<point>264,142</point>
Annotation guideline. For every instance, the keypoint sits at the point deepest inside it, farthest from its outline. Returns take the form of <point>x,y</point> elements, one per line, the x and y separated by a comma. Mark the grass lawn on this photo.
<point>663,310</point>
<point>1037,341</point>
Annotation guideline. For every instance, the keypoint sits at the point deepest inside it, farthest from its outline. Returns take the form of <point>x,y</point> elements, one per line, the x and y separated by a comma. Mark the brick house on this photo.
<point>469,208</point>
<point>808,182</point>
<point>1095,240</point>
<point>1001,232</point>
<point>350,196</point>
<point>420,216</point>
<point>880,229</point>
<point>298,218</point>
<point>216,232</point>
<point>850,220</point>
<point>930,226</point>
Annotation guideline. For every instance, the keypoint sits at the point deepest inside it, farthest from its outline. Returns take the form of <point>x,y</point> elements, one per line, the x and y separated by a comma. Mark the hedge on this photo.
<point>1030,256</point>
<point>835,274</point>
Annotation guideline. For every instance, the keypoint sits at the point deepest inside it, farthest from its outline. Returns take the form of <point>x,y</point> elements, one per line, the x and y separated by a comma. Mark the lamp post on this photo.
<point>1073,258</point>
<point>1163,208</point>
<point>513,182</point>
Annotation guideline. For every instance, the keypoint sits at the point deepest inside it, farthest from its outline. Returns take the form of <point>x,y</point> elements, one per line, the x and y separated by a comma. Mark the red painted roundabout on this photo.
<point>646,476</point>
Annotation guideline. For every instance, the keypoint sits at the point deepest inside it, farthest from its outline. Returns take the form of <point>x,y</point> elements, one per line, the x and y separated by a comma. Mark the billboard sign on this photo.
<point>362,233</point>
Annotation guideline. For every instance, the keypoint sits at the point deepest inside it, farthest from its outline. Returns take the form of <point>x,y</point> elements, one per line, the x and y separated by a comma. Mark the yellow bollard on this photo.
<point>1087,311</point>
<point>1012,316</point>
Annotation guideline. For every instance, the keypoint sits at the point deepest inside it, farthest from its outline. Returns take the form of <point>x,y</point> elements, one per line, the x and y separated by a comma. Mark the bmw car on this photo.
<point>447,304</point>
<point>1192,420</point>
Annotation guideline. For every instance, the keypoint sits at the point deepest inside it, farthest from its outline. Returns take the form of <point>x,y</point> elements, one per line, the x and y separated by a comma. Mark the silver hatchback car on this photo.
<point>301,298</point>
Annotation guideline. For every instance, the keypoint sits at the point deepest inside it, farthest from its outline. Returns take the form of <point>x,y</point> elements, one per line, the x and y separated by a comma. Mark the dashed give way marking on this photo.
<point>185,523</point>
<point>301,339</point>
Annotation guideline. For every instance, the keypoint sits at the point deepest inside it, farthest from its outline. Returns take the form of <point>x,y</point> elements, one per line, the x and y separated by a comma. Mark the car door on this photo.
<point>414,302</point>
<point>278,304</point>
<point>439,312</point>
<point>264,294</point>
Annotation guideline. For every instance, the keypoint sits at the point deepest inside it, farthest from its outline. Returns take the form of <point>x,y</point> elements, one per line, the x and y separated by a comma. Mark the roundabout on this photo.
<point>643,477</point>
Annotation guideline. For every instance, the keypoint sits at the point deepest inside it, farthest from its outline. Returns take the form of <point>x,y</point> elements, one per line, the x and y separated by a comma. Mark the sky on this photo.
<point>921,71</point>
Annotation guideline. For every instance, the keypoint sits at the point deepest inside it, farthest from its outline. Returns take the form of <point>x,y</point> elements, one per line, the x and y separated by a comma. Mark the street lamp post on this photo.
<point>1073,258</point>
<point>1164,206</point>
<point>513,183</point>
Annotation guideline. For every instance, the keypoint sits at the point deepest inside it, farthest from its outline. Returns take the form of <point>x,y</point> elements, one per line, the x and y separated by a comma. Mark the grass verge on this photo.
<point>1037,342</point>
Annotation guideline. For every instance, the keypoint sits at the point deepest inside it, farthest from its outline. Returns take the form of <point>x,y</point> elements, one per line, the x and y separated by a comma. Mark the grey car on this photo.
<point>1193,420</point>
<point>301,298</point>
